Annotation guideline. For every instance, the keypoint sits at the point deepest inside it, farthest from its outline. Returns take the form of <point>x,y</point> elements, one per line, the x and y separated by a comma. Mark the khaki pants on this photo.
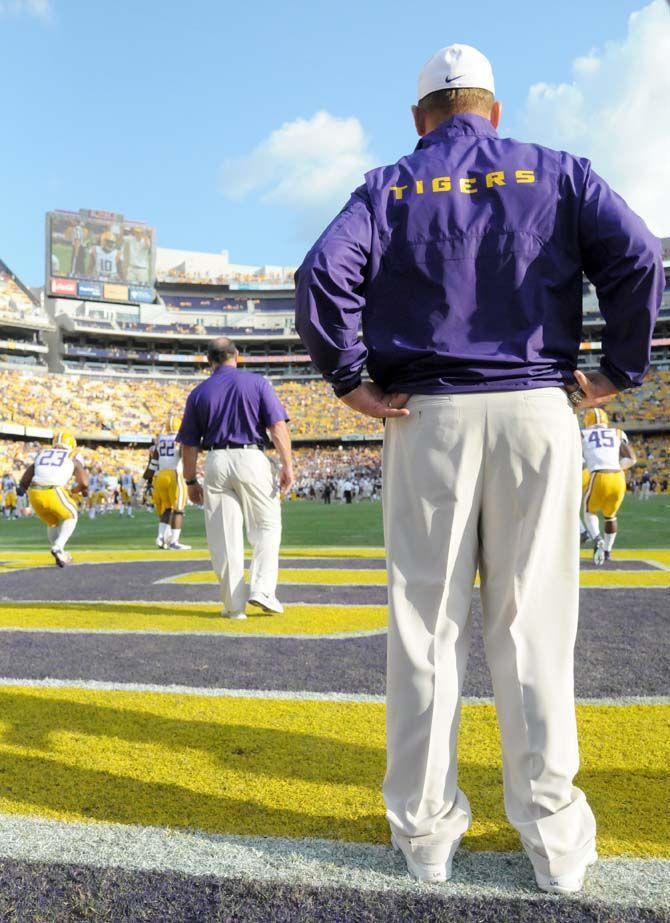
<point>240,489</point>
<point>488,481</point>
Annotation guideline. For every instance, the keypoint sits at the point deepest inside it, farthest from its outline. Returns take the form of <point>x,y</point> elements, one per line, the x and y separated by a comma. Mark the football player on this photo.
<point>9,497</point>
<point>46,480</point>
<point>607,453</point>
<point>105,260</point>
<point>96,494</point>
<point>127,493</point>
<point>164,473</point>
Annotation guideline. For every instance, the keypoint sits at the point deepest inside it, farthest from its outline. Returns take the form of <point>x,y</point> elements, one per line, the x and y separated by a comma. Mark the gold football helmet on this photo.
<point>64,439</point>
<point>595,417</point>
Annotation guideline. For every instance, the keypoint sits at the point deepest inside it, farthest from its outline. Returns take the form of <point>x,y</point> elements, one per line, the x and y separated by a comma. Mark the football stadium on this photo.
<point>159,762</point>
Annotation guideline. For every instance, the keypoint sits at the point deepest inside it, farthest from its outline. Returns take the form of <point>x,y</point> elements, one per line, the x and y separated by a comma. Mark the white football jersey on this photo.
<point>127,482</point>
<point>105,263</point>
<point>601,447</point>
<point>169,452</point>
<point>53,467</point>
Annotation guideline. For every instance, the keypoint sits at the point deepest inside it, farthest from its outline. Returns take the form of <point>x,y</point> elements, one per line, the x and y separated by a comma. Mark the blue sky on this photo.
<point>162,111</point>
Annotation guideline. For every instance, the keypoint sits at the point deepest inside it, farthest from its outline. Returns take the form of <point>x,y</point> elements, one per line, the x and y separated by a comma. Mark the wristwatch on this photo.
<point>191,482</point>
<point>575,398</point>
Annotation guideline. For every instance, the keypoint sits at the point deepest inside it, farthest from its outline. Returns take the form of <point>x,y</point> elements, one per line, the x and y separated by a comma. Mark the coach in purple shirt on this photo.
<point>463,263</point>
<point>229,416</point>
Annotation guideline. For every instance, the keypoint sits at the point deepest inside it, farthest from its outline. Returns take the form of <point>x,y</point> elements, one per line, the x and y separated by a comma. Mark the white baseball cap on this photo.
<point>456,67</point>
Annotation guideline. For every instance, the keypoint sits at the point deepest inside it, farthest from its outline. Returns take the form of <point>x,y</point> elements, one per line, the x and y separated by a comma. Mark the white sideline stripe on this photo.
<point>94,685</point>
<point>205,691</point>
<point>321,863</point>
<point>257,635</point>
<point>166,603</point>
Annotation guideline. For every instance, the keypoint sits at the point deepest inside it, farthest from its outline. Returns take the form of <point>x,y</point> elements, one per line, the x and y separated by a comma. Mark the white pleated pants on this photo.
<point>488,481</point>
<point>241,491</point>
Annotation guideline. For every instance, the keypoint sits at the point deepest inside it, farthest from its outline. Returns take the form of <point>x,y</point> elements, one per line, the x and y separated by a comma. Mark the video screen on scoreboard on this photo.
<point>100,256</point>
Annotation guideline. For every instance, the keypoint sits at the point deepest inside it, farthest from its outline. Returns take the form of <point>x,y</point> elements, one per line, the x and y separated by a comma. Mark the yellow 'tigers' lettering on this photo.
<point>467,184</point>
<point>442,184</point>
<point>525,176</point>
<point>497,178</point>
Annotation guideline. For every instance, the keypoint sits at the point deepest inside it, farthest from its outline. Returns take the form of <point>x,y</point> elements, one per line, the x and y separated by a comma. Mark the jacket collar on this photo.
<point>458,126</point>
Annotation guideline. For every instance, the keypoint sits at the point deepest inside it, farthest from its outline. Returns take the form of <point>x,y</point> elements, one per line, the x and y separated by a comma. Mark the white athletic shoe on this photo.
<point>177,546</point>
<point>233,615</point>
<point>566,884</point>
<point>61,558</point>
<point>429,873</point>
<point>599,552</point>
<point>266,603</point>
<point>160,543</point>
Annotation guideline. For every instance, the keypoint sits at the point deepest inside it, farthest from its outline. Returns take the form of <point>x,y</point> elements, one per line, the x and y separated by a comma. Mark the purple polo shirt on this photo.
<point>231,406</point>
<point>463,262</point>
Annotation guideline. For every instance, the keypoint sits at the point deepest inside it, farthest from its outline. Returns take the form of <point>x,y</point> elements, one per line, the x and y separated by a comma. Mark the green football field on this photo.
<point>642,524</point>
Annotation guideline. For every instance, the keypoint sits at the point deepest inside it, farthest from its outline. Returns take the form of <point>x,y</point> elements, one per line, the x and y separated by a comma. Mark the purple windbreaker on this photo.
<point>464,262</point>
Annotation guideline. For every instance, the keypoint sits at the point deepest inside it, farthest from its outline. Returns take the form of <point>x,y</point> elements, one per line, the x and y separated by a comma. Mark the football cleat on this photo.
<point>566,884</point>
<point>61,558</point>
<point>598,552</point>
<point>583,537</point>
<point>233,615</point>
<point>178,546</point>
<point>266,603</point>
<point>433,873</point>
<point>608,555</point>
<point>160,543</point>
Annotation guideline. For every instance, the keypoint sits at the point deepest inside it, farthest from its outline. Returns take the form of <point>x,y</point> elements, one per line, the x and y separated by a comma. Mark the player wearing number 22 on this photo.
<point>47,481</point>
<point>606,452</point>
<point>164,472</point>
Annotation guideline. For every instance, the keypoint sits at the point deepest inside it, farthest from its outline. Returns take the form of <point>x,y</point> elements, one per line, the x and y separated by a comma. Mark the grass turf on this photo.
<point>307,620</point>
<point>642,525</point>
<point>295,768</point>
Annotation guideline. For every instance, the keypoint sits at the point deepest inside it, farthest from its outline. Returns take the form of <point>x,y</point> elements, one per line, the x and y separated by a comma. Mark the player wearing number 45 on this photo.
<point>607,453</point>
<point>164,473</point>
<point>47,481</point>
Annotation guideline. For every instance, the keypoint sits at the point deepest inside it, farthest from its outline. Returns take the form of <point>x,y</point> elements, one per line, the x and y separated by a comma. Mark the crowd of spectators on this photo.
<point>86,403</point>
<point>328,475</point>
<point>118,405</point>
<point>650,403</point>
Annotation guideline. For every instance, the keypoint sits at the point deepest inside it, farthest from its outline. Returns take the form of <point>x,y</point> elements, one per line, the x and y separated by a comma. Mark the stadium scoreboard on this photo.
<point>100,256</point>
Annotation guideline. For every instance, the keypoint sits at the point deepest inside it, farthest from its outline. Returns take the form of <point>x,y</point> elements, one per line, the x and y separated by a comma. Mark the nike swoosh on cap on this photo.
<point>451,79</point>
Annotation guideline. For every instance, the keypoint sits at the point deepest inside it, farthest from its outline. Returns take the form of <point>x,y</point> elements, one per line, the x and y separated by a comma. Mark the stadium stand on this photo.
<point>16,302</point>
<point>23,321</point>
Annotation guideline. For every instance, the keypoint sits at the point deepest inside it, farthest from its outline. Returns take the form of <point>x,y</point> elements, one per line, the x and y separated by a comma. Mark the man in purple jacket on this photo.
<point>464,263</point>
<point>229,415</point>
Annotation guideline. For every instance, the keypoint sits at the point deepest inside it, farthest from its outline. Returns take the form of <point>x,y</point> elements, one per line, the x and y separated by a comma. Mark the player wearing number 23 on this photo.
<point>47,481</point>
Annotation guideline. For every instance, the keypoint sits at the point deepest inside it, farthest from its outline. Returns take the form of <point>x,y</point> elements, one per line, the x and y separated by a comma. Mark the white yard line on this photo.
<point>320,863</point>
<point>287,695</point>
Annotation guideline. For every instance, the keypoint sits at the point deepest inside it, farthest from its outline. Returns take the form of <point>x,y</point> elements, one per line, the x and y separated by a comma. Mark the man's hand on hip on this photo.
<point>597,388</point>
<point>370,400</point>
<point>195,494</point>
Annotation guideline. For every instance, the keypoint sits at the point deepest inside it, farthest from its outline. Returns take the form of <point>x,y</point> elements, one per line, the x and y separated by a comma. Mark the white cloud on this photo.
<point>308,166</point>
<point>39,9</point>
<point>615,111</point>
